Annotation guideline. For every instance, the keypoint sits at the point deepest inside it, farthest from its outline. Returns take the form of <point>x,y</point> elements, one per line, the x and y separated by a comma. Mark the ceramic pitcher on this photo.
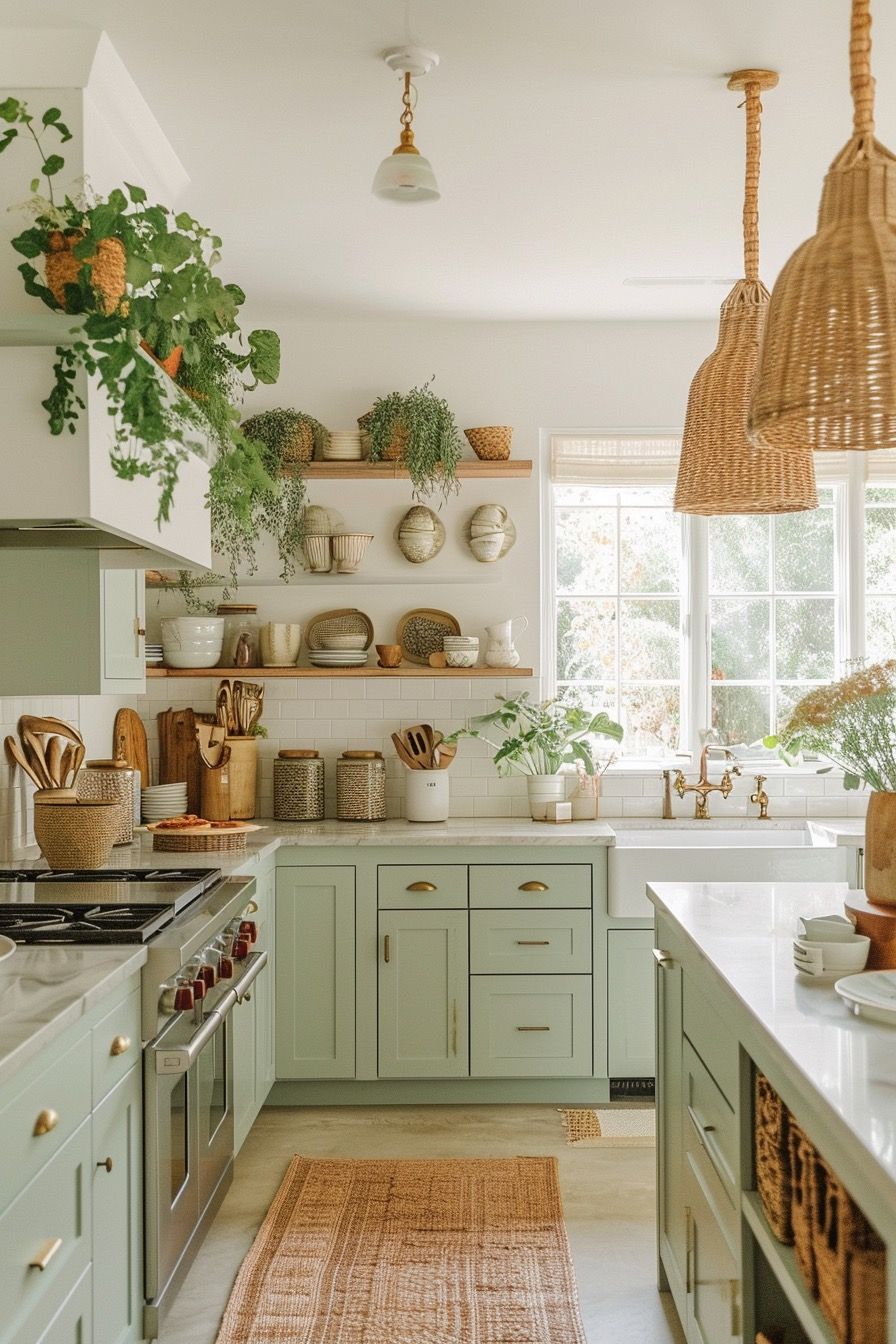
<point>500,650</point>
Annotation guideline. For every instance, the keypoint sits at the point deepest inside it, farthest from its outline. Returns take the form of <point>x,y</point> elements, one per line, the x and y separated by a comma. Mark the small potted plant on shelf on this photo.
<point>420,431</point>
<point>540,738</point>
<point>294,436</point>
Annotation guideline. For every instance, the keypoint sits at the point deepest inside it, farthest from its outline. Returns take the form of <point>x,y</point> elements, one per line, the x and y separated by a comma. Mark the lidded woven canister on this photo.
<point>298,785</point>
<point>110,781</point>
<point>361,786</point>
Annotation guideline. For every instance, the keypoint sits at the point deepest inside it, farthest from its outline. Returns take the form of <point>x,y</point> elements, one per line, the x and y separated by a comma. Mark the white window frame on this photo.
<point>848,474</point>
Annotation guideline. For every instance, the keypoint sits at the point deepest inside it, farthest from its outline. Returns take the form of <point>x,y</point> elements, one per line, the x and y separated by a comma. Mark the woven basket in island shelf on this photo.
<point>490,443</point>
<point>106,267</point>
<point>394,450</point>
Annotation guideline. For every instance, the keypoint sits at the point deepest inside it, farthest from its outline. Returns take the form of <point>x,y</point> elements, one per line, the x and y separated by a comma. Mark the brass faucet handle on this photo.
<point>678,783</point>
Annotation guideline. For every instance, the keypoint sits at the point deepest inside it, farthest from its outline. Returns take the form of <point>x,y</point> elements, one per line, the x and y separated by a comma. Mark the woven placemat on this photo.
<point>401,1252</point>
<point>611,1127</point>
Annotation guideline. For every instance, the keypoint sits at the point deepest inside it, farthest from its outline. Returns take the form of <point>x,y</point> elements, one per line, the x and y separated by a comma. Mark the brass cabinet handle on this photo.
<point>120,1045</point>
<point>533,942</point>
<point>662,958</point>
<point>386,948</point>
<point>107,1163</point>
<point>734,1294</point>
<point>532,886</point>
<point>247,997</point>
<point>533,1028</point>
<point>251,908</point>
<point>46,1121</point>
<point>422,886</point>
<point>45,1254</point>
<point>454,1027</point>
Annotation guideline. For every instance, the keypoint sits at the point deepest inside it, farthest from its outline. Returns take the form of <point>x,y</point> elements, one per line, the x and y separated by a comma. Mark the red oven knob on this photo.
<point>183,998</point>
<point>208,973</point>
<point>198,988</point>
<point>225,969</point>
<point>240,948</point>
<point>249,929</point>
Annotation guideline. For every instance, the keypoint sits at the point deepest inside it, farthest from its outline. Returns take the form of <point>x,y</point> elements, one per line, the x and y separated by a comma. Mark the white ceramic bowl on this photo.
<point>461,658</point>
<point>487,549</point>
<point>317,552</point>
<point>192,641</point>
<point>348,550</point>
<point>831,958</point>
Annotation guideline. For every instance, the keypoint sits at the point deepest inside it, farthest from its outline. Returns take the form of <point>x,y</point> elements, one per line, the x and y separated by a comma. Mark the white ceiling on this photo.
<point>576,142</point>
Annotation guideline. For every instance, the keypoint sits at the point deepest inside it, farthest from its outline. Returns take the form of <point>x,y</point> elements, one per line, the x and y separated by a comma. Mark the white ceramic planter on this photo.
<point>544,789</point>
<point>426,795</point>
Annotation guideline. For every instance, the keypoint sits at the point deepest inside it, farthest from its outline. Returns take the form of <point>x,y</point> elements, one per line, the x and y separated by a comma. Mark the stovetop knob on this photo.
<point>249,929</point>
<point>240,948</point>
<point>183,997</point>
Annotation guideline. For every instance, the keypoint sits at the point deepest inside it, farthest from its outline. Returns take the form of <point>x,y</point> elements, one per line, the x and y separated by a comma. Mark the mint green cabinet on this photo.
<point>315,973</point>
<point>630,1004</point>
<point>531,1026</point>
<point>117,1179</point>
<point>423,988</point>
<point>72,1322</point>
<point>253,1023</point>
<point>713,1306</point>
<point>673,1232</point>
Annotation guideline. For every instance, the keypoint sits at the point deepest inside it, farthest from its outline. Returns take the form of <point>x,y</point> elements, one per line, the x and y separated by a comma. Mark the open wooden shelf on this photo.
<point>252,673</point>
<point>515,468</point>
<point>781,1261</point>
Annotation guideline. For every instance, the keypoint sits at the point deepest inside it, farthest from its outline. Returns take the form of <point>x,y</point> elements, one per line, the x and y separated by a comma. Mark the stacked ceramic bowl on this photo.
<point>461,650</point>
<point>192,641</point>
<point>159,801</point>
<point>153,655</point>
<point>340,651</point>
<point>344,446</point>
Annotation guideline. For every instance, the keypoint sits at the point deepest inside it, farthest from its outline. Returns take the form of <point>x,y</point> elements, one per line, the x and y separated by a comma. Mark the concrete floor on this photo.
<point>608,1201</point>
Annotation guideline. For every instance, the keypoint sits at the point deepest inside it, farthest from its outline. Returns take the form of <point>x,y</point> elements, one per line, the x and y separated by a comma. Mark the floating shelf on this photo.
<point>515,468</point>
<point>251,673</point>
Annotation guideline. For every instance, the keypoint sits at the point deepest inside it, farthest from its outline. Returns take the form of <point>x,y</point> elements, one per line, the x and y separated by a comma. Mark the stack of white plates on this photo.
<point>344,446</point>
<point>342,643</point>
<point>153,655</point>
<point>163,800</point>
<point>338,657</point>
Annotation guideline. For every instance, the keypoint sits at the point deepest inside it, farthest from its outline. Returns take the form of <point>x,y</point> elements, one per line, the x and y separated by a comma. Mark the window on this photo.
<point>677,624</point>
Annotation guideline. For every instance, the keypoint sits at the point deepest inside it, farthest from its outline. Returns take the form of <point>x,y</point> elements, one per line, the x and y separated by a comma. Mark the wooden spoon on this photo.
<point>48,724</point>
<point>33,748</point>
<point>418,740</point>
<point>15,756</point>
<point>53,758</point>
<point>445,755</point>
<point>404,755</point>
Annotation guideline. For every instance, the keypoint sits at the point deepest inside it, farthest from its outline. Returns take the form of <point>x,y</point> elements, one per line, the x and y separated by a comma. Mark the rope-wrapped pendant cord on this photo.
<point>751,183</point>
<point>860,77</point>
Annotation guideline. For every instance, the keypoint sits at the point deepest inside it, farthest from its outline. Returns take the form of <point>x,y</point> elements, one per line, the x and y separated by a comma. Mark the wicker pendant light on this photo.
<point>827,376</point>
<point>720,471</point>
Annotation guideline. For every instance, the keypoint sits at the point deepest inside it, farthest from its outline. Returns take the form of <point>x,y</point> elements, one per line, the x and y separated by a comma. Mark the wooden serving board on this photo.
<point>179,759</point>
<point>238,828</point>
<point>129,743</point>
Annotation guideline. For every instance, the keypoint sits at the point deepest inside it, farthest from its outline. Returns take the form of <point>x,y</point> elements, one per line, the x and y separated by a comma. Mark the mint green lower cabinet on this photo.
<point>713,1282</point>
<point>72,1322</point>
<point>423,987</point>
<point>630,1004</point>
<point>672,1220</point>
<point>530,942</point>
<point>530,1026</point>
<point>117,1214</point>
<point>315,973</point>
<point>243,1024</point>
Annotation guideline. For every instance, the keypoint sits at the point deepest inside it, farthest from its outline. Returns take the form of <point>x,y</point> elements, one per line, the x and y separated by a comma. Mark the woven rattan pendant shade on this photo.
<point>827,375</point>
<point>720,470</point>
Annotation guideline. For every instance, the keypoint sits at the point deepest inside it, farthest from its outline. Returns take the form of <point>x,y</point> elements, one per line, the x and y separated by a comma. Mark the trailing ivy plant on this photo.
<point>432,443</point>
<point>280,429</point>
<point>245,502</point>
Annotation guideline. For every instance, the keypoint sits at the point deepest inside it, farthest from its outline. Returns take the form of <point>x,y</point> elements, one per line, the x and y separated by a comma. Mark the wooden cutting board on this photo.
<point>129,743</point>
<point>179,757</point>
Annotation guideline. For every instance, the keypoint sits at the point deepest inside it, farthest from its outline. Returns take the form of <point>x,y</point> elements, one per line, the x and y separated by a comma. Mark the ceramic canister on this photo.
<point>361,786</point>
<point>112,780</point>
<point>426,795</point>
<point>298,786</point>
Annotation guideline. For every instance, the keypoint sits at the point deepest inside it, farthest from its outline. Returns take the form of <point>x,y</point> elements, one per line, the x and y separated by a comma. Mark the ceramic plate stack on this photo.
<point>344,446</point>
<point>163,800</point>
<point>340,651</point>
<point>153,655</point>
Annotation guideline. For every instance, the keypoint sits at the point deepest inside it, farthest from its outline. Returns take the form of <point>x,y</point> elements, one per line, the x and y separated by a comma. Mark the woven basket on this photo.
<point>771,1155</point>
<point>490,443</point>
<point>172,361</point>
<point>299,447</point>
<point>107,269</point>
<point>846,1248</point>
<point>394,450</point>
<point>802,1155</point>
<point>211,841</point>
<point>79,834</point>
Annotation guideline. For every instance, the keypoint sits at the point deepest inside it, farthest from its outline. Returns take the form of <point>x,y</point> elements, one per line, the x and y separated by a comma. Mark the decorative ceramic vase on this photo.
<point>426,795</point>
<point>280,644</point>
<point>880,849</point>
<point>544,789</point>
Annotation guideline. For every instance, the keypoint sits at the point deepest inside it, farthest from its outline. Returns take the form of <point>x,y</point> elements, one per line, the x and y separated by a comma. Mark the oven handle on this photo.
<point>181,1058</point>
<point>254,966</point>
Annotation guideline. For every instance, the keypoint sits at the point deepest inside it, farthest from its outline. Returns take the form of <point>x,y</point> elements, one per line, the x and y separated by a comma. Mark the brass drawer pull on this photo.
<point>45,1254</point>
<point>46,1121</point>
<point>532,886</point>
<point>662,958</point>
<point>533,942</point>
<point>422,886</point>
<point>533,1028</point>
<point>120,1045</point>
<point>386,948</point>
<point>107,1164</point>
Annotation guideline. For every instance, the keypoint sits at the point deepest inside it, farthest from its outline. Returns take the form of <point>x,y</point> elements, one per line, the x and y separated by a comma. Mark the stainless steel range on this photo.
<point>202,956</point>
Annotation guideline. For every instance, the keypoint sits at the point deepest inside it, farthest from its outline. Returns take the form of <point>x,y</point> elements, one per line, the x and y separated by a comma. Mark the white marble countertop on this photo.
<point>745,931</point>
<point>45,990</point>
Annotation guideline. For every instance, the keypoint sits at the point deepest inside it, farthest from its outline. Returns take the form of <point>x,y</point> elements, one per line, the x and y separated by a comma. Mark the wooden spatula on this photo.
<point>404,755</point>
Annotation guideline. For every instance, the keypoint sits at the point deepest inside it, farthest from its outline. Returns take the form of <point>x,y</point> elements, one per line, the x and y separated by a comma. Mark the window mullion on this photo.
<point>695,650</point>
<point>851,535</point>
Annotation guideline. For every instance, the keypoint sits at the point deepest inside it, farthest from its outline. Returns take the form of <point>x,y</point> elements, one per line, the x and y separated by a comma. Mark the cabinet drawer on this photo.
<point>54,1206</point>
<point>115,1042</point>
<point>59,1098</point>
<point>530,886</point>
<point>711,1126</point>
<point>527,942</point>
<point>72,1322</point>
<point>422,886</point>
<point>530,1026</point>
<point>707,1028</point>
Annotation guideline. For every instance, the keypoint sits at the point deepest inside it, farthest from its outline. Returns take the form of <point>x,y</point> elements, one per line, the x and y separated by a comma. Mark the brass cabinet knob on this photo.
<point>43,1257</point>
<point>120,1045</point>
<point>422,886</point>
<point>107,1163</point>
<point>45,1121</point>
<point>532,886</point>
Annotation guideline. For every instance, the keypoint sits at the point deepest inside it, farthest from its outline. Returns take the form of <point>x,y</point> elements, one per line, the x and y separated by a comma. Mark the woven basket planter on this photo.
<point>490,443</point>
<point>298,447</point>
<point>79,834</point>
<point>771,1155</point>
<point>394,450</point>
<point>172,361</point>
<point>107,269</point>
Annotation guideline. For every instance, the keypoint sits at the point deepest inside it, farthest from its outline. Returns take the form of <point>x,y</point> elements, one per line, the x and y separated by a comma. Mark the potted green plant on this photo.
<point>419,430</point>
<point>140,279</point>
<point>294,436</point>
<point>540,738</point>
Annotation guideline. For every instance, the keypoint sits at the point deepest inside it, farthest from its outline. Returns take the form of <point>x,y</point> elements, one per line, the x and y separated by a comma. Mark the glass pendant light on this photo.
<point>720,471</point>
<point>406,175</point>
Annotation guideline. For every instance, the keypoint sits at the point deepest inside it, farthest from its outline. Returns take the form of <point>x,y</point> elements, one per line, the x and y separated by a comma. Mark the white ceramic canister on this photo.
<point>544,789</point>
<point>426,795</point>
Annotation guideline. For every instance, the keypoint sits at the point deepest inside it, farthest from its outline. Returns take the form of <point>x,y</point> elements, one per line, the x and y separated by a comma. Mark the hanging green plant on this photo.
<point>419,430</point>
<point>248,495</point>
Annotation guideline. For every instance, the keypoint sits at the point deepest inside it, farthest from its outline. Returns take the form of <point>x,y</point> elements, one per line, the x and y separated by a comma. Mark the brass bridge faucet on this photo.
<point>702,789</point>
<point>760,797</point>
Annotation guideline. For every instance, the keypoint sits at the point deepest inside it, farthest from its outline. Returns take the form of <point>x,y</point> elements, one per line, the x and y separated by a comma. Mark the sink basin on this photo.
<point>666,854</point>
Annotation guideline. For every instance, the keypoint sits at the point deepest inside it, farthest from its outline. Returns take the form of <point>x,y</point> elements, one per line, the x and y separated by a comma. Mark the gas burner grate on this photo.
<point>82,924</point>
<point>43,875</point>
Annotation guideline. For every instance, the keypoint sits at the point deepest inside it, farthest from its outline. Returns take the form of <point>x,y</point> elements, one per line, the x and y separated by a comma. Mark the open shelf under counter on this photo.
<point>781,1260</point>
<point>251,673</point>
<point>513,468</point>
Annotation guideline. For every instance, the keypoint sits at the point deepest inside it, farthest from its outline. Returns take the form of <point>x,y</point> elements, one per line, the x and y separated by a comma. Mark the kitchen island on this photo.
<point>729,1003</point>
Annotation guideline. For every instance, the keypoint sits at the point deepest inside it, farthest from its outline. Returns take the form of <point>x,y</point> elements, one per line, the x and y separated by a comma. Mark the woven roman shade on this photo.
<point>614,460</point>
<point>827,376</point>
<point>721,471</point>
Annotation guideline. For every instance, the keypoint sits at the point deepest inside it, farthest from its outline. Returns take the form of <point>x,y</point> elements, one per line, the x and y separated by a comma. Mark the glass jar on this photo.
<point>361,786</point>
<point>242,635</point>
<point>298,786</point>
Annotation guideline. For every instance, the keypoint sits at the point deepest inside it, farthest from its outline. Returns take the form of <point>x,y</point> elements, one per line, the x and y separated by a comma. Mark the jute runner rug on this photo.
<point>409,1252</point>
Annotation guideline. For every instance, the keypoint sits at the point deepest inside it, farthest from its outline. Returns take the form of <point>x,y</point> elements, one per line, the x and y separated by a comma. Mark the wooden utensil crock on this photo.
<point>880,849</point>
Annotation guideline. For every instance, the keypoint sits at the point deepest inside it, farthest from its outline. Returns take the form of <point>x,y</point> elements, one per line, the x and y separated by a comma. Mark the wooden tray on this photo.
<point>207,829</point>
<point>418,638</point>
<point>343,621</point>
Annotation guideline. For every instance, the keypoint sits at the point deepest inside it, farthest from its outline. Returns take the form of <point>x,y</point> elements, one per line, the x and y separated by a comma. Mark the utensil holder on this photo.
<point>427,796</point>
<point>243,774</point>
<point>77,835</point>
